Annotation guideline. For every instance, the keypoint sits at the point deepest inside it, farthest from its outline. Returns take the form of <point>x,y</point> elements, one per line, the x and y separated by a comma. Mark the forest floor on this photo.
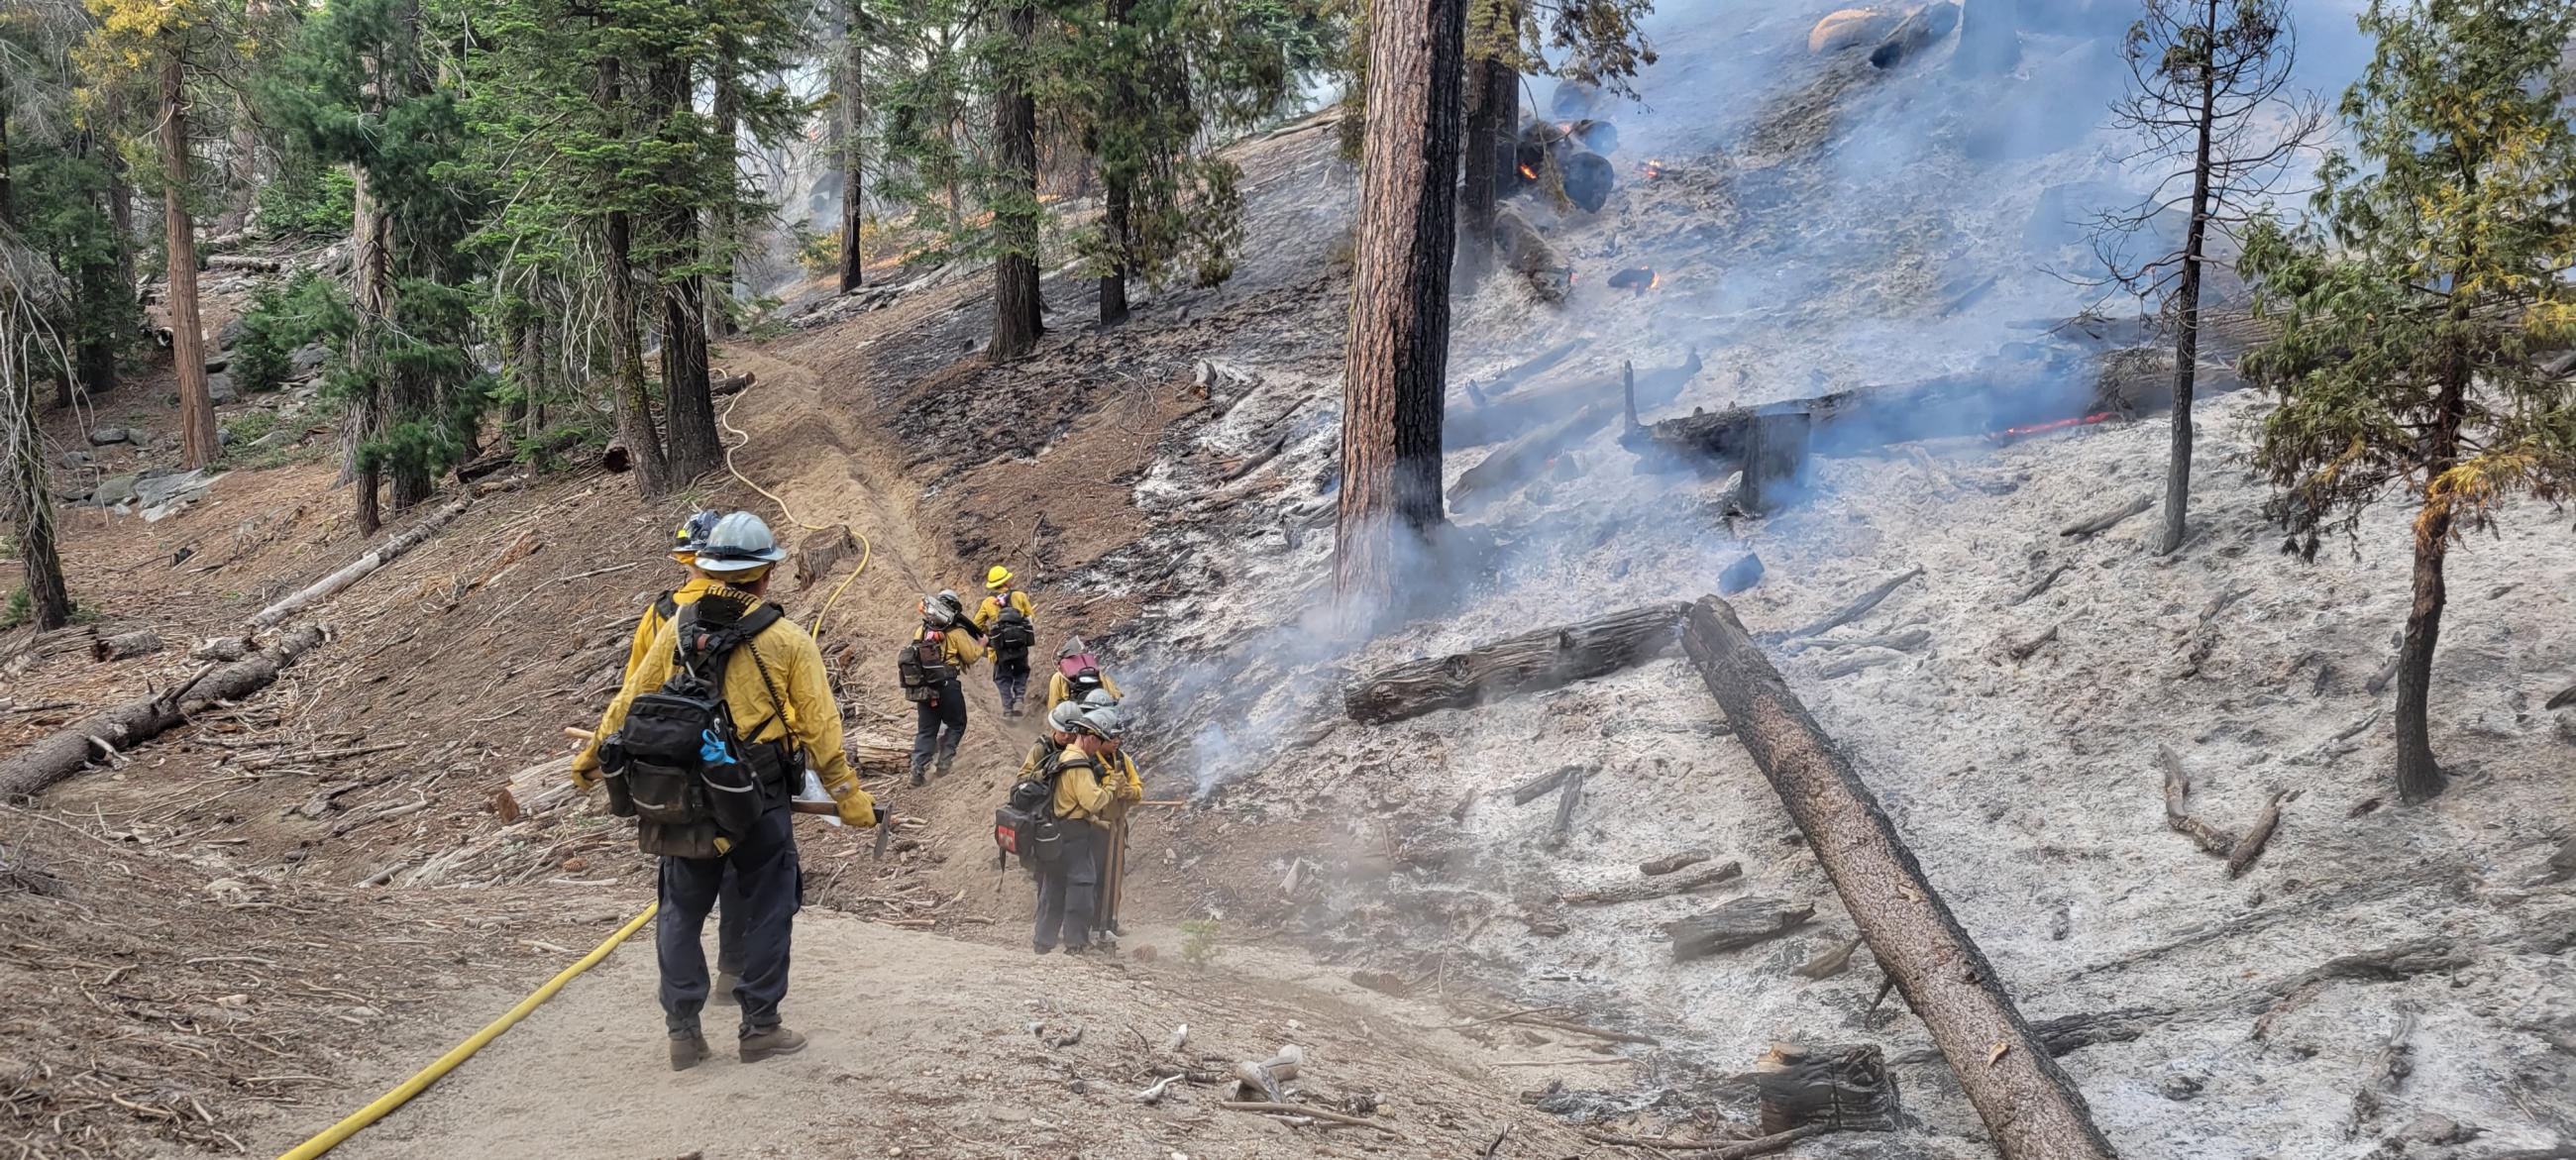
<point>259,921</point>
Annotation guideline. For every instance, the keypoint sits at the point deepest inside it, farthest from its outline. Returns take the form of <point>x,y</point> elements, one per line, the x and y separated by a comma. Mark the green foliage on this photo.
<point>1198,941</point>
<point>2412,307</point>
<point>282,319</point>
<point>21,609</point>
<point>306,199</point>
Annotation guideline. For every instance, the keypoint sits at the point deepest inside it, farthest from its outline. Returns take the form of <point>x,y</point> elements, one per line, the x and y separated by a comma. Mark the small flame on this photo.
<point>1637,278</point>
<point>2052,425</point>
<point>1528,173</point>
<point>1654,280</point>
<point>1652,169</point>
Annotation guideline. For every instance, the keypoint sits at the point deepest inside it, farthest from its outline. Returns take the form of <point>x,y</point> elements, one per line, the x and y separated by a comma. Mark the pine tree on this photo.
<point>1395,365</point>
<point>2412,313</point>
<point>1017,216</point>
<point>850,122</point>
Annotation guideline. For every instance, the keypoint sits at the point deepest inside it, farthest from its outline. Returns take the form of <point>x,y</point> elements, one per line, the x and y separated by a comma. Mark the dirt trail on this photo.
<point>922,1046</point>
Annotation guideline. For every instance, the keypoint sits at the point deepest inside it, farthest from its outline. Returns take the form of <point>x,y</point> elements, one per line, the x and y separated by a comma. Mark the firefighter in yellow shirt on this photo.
<point>1126,788</point>
<point>1010,627</point>
<point>1077,675</point>
<point>1069,881</point>
<point>947,644</point>
<point>776,691</point>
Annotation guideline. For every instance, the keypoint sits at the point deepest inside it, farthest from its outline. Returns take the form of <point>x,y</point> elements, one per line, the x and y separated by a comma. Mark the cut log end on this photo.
<point>1844,1088</point>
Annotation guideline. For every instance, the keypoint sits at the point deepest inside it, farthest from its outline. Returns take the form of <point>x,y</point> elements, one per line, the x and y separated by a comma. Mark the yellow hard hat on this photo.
<point>997,577</point>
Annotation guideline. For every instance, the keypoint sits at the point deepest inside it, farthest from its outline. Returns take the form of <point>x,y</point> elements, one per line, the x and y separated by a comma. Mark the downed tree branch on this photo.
<point>1736,925</point>
<point>1829,963</point>
<point>1655,887</point>
<point>360,568</point>
<point>1847,614</point>
<point>1761,1146</point>
<point>1517,462</point>
<point>61,754</point>
<point>2089,528</point>
<point>2044,584</point>
<point>2025,1099</point>
<point>1543,659</point>
<point>1899,642</point>
<point>1671,862</point>
<point>1571,797</point>
<point>1538,787</point>
<point>2023,650</point>
<point>1269,1109</point>
<point>2241,858</point>
<point>2068,1033</point>
<point>2177,790</point>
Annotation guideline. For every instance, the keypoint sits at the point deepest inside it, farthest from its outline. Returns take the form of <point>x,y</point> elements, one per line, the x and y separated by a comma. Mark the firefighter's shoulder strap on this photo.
<point>699,645</point>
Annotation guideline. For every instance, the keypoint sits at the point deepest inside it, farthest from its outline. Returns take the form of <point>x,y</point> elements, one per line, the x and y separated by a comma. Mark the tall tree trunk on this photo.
<point>49,601</point>
<point>242,168</point>
<point>120,202</point>
<point>1015,213</point>
<point>850,120</point>
<point>630,395</point>
<point>371,290</point>
<point>1396,362</point>
<point>2187,313</point>
<point>724,221</point>
<point>1493,108</point>
<point>1118,163</point>
<point>689,409</point>
<point>96,288</point>
<point>198,441</point>
<point>2419,775</point>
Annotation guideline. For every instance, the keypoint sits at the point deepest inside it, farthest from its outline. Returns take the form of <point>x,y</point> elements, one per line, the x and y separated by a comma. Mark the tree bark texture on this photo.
<point>2187,311</point>
<point>689,411</point>
<point>2419,774</point>
<point>57,756</point>
<point>851,117</point>
<point>1543,659</point>
<point>1493,113</point>
<point>198,441</point>
<point>1395,368</point>
<point>631,396</point>
<point>1015,269</point>
<point>1117,168</point>
<point>49,601</point>
<point>371,289</point>
<point>2025,1099</point>
<point>1837,1087</point>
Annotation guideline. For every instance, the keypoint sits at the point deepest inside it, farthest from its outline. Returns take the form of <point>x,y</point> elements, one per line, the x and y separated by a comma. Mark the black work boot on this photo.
<point>920,772</point>
<point>688,1049</point>
<point>769,1041</point>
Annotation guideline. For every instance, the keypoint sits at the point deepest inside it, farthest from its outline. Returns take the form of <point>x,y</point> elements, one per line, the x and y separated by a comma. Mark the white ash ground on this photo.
<point>2030,790</point>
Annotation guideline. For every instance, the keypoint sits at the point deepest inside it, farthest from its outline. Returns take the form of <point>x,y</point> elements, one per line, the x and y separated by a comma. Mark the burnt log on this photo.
<point>2025,1099</point>
<point>723,385</point>
<point>1775,461</point>
<point>1525,410</point>
<point>57,756</point>
<point>131,644</point>
<point>1519,461</point>
<point>1538,787</point>
<point>1672,862</point>
<point>1736,925</point>
<point>1846,1088</point>
<point>1544,659</point>
<point>1655,887</point>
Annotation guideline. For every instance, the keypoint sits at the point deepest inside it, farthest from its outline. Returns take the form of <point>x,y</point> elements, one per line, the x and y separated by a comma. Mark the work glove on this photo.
<point>585,773</point>
<point>858,809</point>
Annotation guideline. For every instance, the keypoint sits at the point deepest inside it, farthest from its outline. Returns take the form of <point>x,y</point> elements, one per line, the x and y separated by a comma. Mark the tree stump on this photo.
<point>1844,1087</point>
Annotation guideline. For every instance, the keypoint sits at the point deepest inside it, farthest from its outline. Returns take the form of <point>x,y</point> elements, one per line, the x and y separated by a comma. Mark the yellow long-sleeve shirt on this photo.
<point>646,630</point>
<point>1060,687</point>
<point>1079,795</point>
<point>991,609</point>
<point>809,719</point>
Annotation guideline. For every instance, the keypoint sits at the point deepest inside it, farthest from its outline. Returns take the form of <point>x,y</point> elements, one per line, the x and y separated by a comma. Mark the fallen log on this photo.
<point>63,753</point>
<point>2025,1099</point>
<point>1519,461</point>
<point>2086,529</point>
<point>360,568</point>
<point>1829,1087</point>
<point>1736,925</point>
<point>723,385</point>
<point>1828,963</point>
<point>245,262</point>
<point>131,644</point>
<point>1570,797</point>
<point>2068,1033</point>
<point>1538,787</point>
<point>1847,613</point>
<point>2044,584</point>
<point>1671,862</point>
<point>2241,857</point>
<point>1544,659</point>
<point>2395,964</point>
<point>1524,410</point>
<point>1660,887</point>
<point>1898,642</point>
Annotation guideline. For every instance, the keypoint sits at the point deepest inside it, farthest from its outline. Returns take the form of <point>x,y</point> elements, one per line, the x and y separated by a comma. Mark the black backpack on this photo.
<point>1081,683</point>
<point>922,667</point>
<point>1026,824</point>
<point>1012,634</point>
<point>680,759</point>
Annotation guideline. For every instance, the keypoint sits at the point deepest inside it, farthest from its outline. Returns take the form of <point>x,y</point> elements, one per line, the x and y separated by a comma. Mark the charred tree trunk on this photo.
<point>1543,659</point>
<point>2419,775</point>
<point>632,397</point>
<point>1016,324</point>
<point>850,119</point>
<point>97,285</point>
<point>2187,312</point>
<point>689,410</point>
<point>1118,164</point>
<point>2025,1099</point>
<point>1493,113</point>
<point>1395,369</point>
<point>1835,1087</point>
<point>198,440</point>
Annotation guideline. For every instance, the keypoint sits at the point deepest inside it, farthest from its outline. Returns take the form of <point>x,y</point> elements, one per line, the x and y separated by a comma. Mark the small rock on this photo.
<point>104,436</point>
<point>309,358</point>
<point>217,364</point>
<point>2181,1087</point>
<point>113,491</point>
<point>77,459</point>
<point>231,333</point>
<point>220,389</point>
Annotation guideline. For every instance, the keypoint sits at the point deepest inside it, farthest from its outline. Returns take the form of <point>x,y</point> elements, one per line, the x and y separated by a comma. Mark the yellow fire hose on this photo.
<point>418,1083</point>
<point>396,1098</point>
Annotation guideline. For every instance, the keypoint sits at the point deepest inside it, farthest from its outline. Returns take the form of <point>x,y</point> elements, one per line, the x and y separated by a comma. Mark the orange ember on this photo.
<point>2053,425</point>
<point>1653,170</point>
<point>1528,173</point>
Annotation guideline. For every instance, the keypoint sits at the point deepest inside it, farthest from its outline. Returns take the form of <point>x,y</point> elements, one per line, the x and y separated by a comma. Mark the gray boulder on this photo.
<point>162,491</point>
<point>76,459</point>
<point>231,333</point>
<point>220,389</point>
<point>103,436</point>
<point>114,490</point>
<point>309,358</point>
